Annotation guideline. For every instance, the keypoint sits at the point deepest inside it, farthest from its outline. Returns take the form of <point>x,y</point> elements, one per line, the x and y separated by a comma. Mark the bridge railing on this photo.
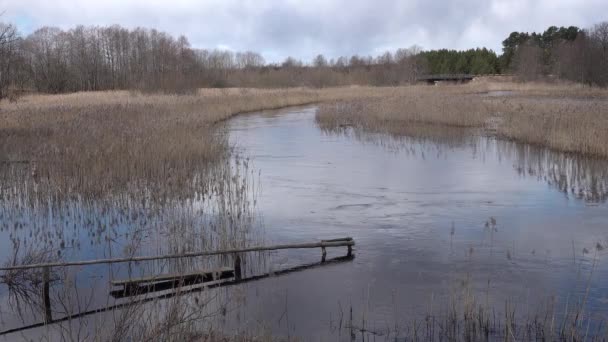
<point>446,77</point>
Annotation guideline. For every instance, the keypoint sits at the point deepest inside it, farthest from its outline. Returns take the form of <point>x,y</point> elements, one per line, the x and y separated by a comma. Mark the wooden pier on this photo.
<point>342,242</point>
<point>153,283</point>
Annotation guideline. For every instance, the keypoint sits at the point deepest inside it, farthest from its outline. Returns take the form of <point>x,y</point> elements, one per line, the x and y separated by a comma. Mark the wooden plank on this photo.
<point>164,296</point>
<point>46,297</point>
<point>341,243</point>
<point>217,273</point>
<point>338,240</point>
<point>238,272</point>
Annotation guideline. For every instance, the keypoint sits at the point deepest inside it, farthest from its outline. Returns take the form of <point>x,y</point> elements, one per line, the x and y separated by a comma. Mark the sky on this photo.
<point>305,28</point>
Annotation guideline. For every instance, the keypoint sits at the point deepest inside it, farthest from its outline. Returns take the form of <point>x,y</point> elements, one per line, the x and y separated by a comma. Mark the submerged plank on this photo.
<point>219,273</point>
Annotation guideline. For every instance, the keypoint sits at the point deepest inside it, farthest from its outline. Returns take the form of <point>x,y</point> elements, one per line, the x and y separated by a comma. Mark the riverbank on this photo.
<point>95,143</point>
<point>432,231</point>
<point>567,118</point>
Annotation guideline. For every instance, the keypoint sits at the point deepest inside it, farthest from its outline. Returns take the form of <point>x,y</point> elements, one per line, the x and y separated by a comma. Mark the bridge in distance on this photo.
<point>452,78</point>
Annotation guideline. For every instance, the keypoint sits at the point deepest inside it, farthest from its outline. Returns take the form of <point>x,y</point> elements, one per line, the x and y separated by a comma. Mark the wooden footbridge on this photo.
<point>224,276</point>
<point>452,78</point>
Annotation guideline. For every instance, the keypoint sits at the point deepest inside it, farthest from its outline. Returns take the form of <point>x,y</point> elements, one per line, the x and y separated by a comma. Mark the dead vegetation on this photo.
<point>568,118</point>
<point>125,173</point>
<point>77,148</point>
<point>98,143</point>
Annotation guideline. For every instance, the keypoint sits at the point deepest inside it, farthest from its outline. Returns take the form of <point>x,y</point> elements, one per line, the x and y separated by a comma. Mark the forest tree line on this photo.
<point>52,60</point>
<point>565,53</point>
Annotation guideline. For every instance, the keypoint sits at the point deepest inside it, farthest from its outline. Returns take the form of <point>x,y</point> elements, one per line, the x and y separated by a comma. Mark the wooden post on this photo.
<point>350,250</point>
<point>323,254</point>
<point>237,267</point>
<point>46,297</point>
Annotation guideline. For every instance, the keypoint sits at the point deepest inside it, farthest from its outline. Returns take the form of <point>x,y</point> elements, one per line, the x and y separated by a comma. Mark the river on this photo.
<point>431,217</point>
<point>451,218</point>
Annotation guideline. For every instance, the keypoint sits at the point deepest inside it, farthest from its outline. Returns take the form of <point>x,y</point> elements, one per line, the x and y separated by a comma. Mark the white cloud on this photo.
<point>303,28</point>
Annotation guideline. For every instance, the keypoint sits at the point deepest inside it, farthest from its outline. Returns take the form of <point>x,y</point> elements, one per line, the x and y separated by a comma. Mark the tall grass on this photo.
<point>123,173</point>
<point>98,143</point>
<point>562,124</point>
<point>222,218</point>
<point>154,174</point>
<point>565,118</point>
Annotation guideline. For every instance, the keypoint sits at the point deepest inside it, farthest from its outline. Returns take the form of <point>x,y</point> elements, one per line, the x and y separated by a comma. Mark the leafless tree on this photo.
<point>9,39</point>
<point>528,64</point>
<point>320,61</point>
<point>249,59</point>
<point>597,54</point>
<point>599,33</point>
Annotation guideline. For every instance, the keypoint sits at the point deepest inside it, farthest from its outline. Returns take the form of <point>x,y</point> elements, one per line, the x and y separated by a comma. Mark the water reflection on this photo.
<point>38,225</point>
<point>579,176</point>
<point>439,215</point>
<point>443,219</point>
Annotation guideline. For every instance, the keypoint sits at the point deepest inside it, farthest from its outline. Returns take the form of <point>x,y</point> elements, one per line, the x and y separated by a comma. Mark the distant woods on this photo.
<point>52,60</point>
<point>474,61</point>
<point>566,53</point>
<point>559,52</point>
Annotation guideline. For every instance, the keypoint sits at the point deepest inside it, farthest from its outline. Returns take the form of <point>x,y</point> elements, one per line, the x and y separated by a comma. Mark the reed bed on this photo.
<point>140,173</point>
<point>124,173</point>
<point>567,118</point>
<point>567,125</point>
<point>98,143</point>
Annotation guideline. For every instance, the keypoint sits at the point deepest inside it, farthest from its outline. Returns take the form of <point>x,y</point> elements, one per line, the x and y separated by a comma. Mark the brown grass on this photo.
<point>142,146</point>
<point>564,117</point>
<point>97,143</point>
<point>562,124</point>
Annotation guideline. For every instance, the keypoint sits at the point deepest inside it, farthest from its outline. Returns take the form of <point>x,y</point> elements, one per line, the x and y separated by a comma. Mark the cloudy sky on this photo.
<point>303,28</point>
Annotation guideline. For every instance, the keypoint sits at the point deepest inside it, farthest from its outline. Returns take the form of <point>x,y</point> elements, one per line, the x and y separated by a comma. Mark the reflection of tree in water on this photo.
<point>582,177</point>
<point>415,139</point>
<point>579,176</point>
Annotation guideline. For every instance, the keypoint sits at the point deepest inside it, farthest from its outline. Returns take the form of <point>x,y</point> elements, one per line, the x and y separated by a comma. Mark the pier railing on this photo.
<point>236,272</point>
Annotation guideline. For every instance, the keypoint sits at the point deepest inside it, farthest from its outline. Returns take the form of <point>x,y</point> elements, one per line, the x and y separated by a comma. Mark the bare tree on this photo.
<point>320,61</point>
<point>386,58</point>
<point>291,62</point>
<point>249,59</point>
<point>8,53</point>
<point>528,64</point>
<point>599,33</point>
<point>597,54</point>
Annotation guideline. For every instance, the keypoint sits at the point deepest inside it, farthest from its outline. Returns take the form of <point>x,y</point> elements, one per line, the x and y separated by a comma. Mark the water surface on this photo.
<point>435,217</point>
<point>431,217</point>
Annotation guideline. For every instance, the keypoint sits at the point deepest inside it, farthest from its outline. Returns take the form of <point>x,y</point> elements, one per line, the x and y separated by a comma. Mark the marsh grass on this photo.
<point>99,143</point>
<point>566,118</point>
<point>125,174</point>
<point>567,125</point>
<point>153,174</point>
<point>222,219</point>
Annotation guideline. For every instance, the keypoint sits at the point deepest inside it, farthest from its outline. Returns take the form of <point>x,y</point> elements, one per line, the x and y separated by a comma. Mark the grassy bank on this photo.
<point>103,143</point>
<point>567,118</point>
<point>96,143</point>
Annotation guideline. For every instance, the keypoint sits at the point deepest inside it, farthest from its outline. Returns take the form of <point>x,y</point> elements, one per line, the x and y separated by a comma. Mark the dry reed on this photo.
<point>98,143</point>
<point>166,147</point>
<point>568,118</point>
